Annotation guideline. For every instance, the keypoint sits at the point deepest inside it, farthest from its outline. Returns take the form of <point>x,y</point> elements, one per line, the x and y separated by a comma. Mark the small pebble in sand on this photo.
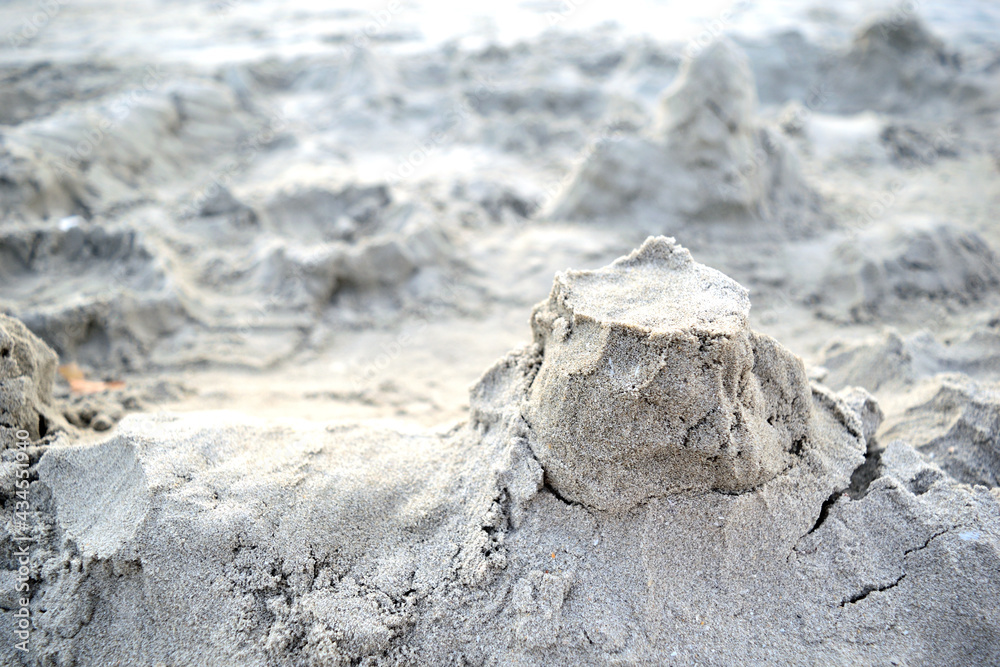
<point>102,422</point>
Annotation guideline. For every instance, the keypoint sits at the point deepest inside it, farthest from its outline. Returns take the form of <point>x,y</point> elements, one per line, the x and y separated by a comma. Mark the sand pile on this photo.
<point>39,88</point>
<point>709,158</point>
<point>943,262</point>
<point>666,390</point>
<point>134,295</point>
<point>568,521</point>
<point>99,295</point>
<point>29,406</point>
<point>894,65</point>
<point>908,270</point>
<point>320,214</point>
<point>892,361</point>
<point>954,422</point>
<point>133,242</point>
<point>92,157</point>
<point>27,373</point>
<point>366,237</point>
<point>132,288</point>
<point>939,397</point>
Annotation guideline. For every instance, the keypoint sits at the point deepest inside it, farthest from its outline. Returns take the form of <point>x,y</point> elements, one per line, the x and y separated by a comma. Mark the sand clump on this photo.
<point>321,214</point>
<point>131,294</point>
<point>894,64</point>
<point>129,206</point>
<point>953,421</point>
<point>889,361</point>
<point>911,270</point>
<point>942,262</point>
<point>939,397</point>
<point>111,295</point>
<point>32,402</point>
<point>709,158</point>
<point>652,382</point>
<point>27,375</point>
<point>95,156</point>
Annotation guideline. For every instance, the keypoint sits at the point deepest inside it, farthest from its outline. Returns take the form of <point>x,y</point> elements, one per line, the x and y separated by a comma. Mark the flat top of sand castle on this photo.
<point>657,288</point>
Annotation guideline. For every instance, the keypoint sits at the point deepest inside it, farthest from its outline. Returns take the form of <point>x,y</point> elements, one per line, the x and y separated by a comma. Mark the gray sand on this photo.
<point>298,248</point>
<point>391,544</point>
<point>720,162</point>
<point>651,382</point>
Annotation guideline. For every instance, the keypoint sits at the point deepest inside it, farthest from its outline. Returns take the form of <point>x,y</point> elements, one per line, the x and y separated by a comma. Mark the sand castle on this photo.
<point>708,158</point>
<point>652,382</point>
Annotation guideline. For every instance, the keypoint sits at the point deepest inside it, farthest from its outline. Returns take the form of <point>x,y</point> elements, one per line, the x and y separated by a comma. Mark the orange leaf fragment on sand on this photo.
<point>79,384</point>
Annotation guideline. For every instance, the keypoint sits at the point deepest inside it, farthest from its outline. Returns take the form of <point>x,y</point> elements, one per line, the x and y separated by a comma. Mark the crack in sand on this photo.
<point>868,590</point>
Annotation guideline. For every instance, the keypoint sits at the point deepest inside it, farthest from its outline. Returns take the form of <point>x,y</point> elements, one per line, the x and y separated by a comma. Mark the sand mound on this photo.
<point>909,145</point>
<point>709,157</point>
<point>938,397</point>
<point>894,64</point>
<point>27,373</point>
<point>222,202</point>
<point>316,213</point>
<point>943,262</point>
<point>892,361</point>
<point>135,291</point>
<point>651,381</point>
<point>93,157</point>
<point>954,422</point>
<point>115,298</point>
<point>883,273</point>
<point>108,297</point>
<point>39,88</point>
<point>873,363</point>
<point>378,542</point>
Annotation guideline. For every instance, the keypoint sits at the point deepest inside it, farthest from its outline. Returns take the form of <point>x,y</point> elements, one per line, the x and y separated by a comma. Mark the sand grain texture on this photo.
<point>381,541</point>
<point>297,244</point>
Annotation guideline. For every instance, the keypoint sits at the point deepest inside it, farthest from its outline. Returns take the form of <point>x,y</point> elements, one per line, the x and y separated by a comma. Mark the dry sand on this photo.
<point>299,263</point>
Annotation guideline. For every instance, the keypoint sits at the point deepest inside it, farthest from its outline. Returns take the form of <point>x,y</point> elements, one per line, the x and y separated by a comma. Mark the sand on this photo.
<point>583,348</point>
<point>530,533</point>
<point>651,382</point>
<point>720,162</point>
